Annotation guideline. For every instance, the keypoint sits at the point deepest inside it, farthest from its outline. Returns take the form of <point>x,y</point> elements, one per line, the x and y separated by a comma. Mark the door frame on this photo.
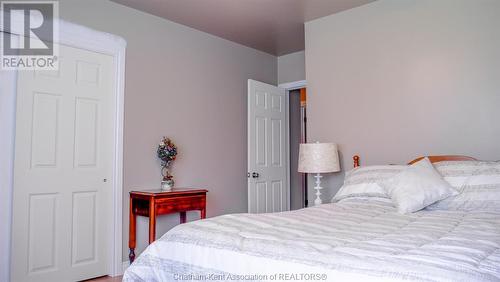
<point>290,86</point>
<point>294,85</point>
<point>81,37</point>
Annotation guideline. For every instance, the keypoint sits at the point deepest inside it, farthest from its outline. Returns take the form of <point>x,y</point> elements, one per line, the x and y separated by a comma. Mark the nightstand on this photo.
<point>156,202</point>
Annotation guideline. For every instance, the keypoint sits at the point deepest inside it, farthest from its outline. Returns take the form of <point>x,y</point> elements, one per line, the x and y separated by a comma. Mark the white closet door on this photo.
<point>268,187</point>
<point>63,160</point>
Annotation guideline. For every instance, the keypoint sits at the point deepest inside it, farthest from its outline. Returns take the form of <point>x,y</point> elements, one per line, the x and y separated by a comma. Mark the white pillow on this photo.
<point>416,187</point>
<point>364,181</point>
<point>478,184</point>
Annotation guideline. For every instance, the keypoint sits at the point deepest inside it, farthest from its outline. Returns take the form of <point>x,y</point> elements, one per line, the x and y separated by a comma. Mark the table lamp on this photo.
<point>318,158</point>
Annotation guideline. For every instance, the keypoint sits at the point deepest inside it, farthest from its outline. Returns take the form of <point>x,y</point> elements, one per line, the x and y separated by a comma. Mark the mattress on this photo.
<point>360,239</point>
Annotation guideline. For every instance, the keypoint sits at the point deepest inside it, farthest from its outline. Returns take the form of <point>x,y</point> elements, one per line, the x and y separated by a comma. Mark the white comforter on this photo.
<point>353,240</point>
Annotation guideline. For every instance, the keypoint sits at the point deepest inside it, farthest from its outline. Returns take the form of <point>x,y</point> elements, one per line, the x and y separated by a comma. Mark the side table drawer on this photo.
<point>180,204</point>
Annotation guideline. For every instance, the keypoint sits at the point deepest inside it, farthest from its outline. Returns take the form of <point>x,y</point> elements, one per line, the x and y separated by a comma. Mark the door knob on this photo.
<point>255,175</point>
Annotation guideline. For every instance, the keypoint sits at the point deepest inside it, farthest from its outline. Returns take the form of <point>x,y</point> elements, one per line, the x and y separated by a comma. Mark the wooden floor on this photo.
<point>106,279</point>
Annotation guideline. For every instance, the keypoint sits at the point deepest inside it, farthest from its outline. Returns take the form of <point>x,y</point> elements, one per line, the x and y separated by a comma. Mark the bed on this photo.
<point>357,238</point>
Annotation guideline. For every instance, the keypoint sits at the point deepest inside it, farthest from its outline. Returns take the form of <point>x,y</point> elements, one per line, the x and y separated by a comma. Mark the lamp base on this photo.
<point>318,188</point>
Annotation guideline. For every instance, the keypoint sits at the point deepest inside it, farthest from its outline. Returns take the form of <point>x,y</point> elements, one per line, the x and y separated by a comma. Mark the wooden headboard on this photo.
<point>433,159</point>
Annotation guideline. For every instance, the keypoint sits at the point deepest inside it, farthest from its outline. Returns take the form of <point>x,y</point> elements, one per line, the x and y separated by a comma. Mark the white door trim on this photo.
<point>84,38</point>
<point>7,133</point>
<point>293,85</point>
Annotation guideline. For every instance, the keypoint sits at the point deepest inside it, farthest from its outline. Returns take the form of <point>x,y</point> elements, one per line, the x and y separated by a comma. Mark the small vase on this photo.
<point>166,185</point>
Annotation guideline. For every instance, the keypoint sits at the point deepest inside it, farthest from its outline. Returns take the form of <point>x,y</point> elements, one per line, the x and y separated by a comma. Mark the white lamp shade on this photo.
<point>318,158</point>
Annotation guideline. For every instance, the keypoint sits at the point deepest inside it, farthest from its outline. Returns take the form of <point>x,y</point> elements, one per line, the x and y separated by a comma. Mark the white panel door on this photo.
<point>63,158</point>
<point>268,188</point>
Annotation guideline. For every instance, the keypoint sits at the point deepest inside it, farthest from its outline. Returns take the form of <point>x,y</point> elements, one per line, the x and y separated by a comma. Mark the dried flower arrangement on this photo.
<point>167,153</point>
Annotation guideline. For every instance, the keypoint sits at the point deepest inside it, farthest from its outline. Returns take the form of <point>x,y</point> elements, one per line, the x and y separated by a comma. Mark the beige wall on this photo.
<point>291,67</point>
<point>187,85</point>
<point>393,80</point>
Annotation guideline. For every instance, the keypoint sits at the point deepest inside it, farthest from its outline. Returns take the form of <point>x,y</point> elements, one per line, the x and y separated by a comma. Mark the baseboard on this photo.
<point>125,265</point>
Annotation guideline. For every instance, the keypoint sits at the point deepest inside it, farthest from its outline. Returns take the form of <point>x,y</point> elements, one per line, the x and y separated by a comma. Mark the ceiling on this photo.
<point>273,26</point>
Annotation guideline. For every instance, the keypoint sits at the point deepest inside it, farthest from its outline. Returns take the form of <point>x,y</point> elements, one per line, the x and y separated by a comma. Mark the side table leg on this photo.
<point>182,216</point>
<point>203,213</point>
<point>131,232</point>
<point>152,221</point>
